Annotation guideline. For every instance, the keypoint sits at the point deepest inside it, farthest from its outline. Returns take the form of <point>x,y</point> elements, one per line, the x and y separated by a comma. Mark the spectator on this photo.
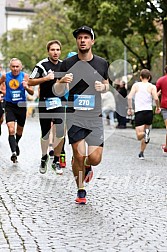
<point>108,107</point>
<point>121,118</point>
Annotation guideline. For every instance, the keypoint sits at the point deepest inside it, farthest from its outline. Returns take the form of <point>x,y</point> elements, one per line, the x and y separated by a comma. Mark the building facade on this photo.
<point>15,14</point>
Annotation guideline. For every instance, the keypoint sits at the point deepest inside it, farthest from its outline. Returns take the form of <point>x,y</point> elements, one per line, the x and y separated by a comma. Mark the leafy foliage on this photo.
<point>135,22</point>
<point>49,22</point>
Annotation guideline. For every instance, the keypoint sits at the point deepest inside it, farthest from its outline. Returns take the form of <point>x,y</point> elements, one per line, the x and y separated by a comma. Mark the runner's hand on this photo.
<point>130,111</point>
<point>99,86</point>
<point>25,83</point>
<point>50,76</point>
<point>157,111</point>
<point>67,78</point>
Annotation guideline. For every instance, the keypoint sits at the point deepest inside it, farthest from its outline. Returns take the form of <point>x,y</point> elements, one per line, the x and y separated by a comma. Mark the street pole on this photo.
<point>164,45</point>
<point>125,65</point>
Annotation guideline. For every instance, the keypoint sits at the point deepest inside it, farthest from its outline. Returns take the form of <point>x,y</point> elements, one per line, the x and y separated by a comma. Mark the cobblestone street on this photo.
<point>127,198</point>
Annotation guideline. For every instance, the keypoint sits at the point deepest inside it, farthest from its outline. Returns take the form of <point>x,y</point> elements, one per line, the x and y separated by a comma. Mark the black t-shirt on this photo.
<point>85,73</point>
<point>122,91</point>
<point>42,69</point>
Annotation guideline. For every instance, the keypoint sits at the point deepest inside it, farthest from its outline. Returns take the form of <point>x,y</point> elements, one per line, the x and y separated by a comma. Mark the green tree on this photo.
<point>135,22</point>
<point>106,46</point>
<point>49,22</point>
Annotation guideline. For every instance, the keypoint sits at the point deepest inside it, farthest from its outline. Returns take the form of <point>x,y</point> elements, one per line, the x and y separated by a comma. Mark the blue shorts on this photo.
<point>164,113</point>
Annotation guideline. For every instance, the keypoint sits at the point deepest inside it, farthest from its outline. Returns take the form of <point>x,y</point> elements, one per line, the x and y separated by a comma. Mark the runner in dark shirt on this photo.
<point>86,77</point>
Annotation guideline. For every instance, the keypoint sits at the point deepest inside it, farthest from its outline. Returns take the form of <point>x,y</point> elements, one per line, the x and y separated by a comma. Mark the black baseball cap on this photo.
<point>84,28</point>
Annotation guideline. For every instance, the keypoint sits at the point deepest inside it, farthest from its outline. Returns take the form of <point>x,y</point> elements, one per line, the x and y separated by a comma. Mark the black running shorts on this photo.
<point>143,118</point>
<point>57,116</point>
<point>15,113</point>
<point>1,109</point>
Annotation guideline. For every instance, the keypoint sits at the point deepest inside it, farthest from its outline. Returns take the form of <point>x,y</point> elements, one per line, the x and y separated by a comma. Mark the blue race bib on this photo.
<point>54,102</point>
<point>16,95</point>
<point>84,102</point>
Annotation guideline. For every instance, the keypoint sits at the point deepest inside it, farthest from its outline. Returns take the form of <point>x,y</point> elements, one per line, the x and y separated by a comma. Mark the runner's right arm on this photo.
<point>39,81</point>
<point>63,84</point>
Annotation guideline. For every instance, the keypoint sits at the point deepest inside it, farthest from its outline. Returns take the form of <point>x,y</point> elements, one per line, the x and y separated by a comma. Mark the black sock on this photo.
<point>12,143</point>
<point>56,159</point>
<point>18,137</point>
<point>45,157</point>
<point>63,150</point>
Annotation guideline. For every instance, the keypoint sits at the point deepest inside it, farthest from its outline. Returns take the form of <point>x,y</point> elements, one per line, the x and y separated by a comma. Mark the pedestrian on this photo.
<point>161,85</point>
<point>16,84</point>
<point>143,92</point>
<point>86,76</point>
<point>121,118</point>
<point>51,108</point>
<point>108,107</point>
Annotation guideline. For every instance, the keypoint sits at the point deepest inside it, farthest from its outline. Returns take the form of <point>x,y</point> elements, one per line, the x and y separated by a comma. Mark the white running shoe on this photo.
<point>43,166</point>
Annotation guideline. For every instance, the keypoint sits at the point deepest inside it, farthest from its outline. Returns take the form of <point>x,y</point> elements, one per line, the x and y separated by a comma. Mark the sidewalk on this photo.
<point>127,198</point>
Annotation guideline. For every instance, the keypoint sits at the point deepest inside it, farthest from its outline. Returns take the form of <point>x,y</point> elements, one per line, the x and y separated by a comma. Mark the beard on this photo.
<point>54,60</point>
<point>84,51</point>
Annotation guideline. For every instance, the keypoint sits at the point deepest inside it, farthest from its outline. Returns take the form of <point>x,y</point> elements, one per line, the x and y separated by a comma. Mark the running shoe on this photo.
<point>57,168</point>
<point>146,136</point>
<point>14,157</point>
<point>43,166</point>
<point>141,156</point>
<point>62,160</point>
<point>81,197</point>
<point>51,153</point>
<point>164,149</point>
<point>17,150</point>
<point>88,173</point>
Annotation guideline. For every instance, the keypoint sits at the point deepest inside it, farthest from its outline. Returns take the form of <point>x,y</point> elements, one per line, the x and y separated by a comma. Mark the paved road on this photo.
<point>127,199</point>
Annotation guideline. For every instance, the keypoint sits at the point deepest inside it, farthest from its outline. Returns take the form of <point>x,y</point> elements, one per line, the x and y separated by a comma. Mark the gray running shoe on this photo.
<point>146,136</point>
<point>57,168</point>
<point>43,166</point>
<point>141,156</point>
